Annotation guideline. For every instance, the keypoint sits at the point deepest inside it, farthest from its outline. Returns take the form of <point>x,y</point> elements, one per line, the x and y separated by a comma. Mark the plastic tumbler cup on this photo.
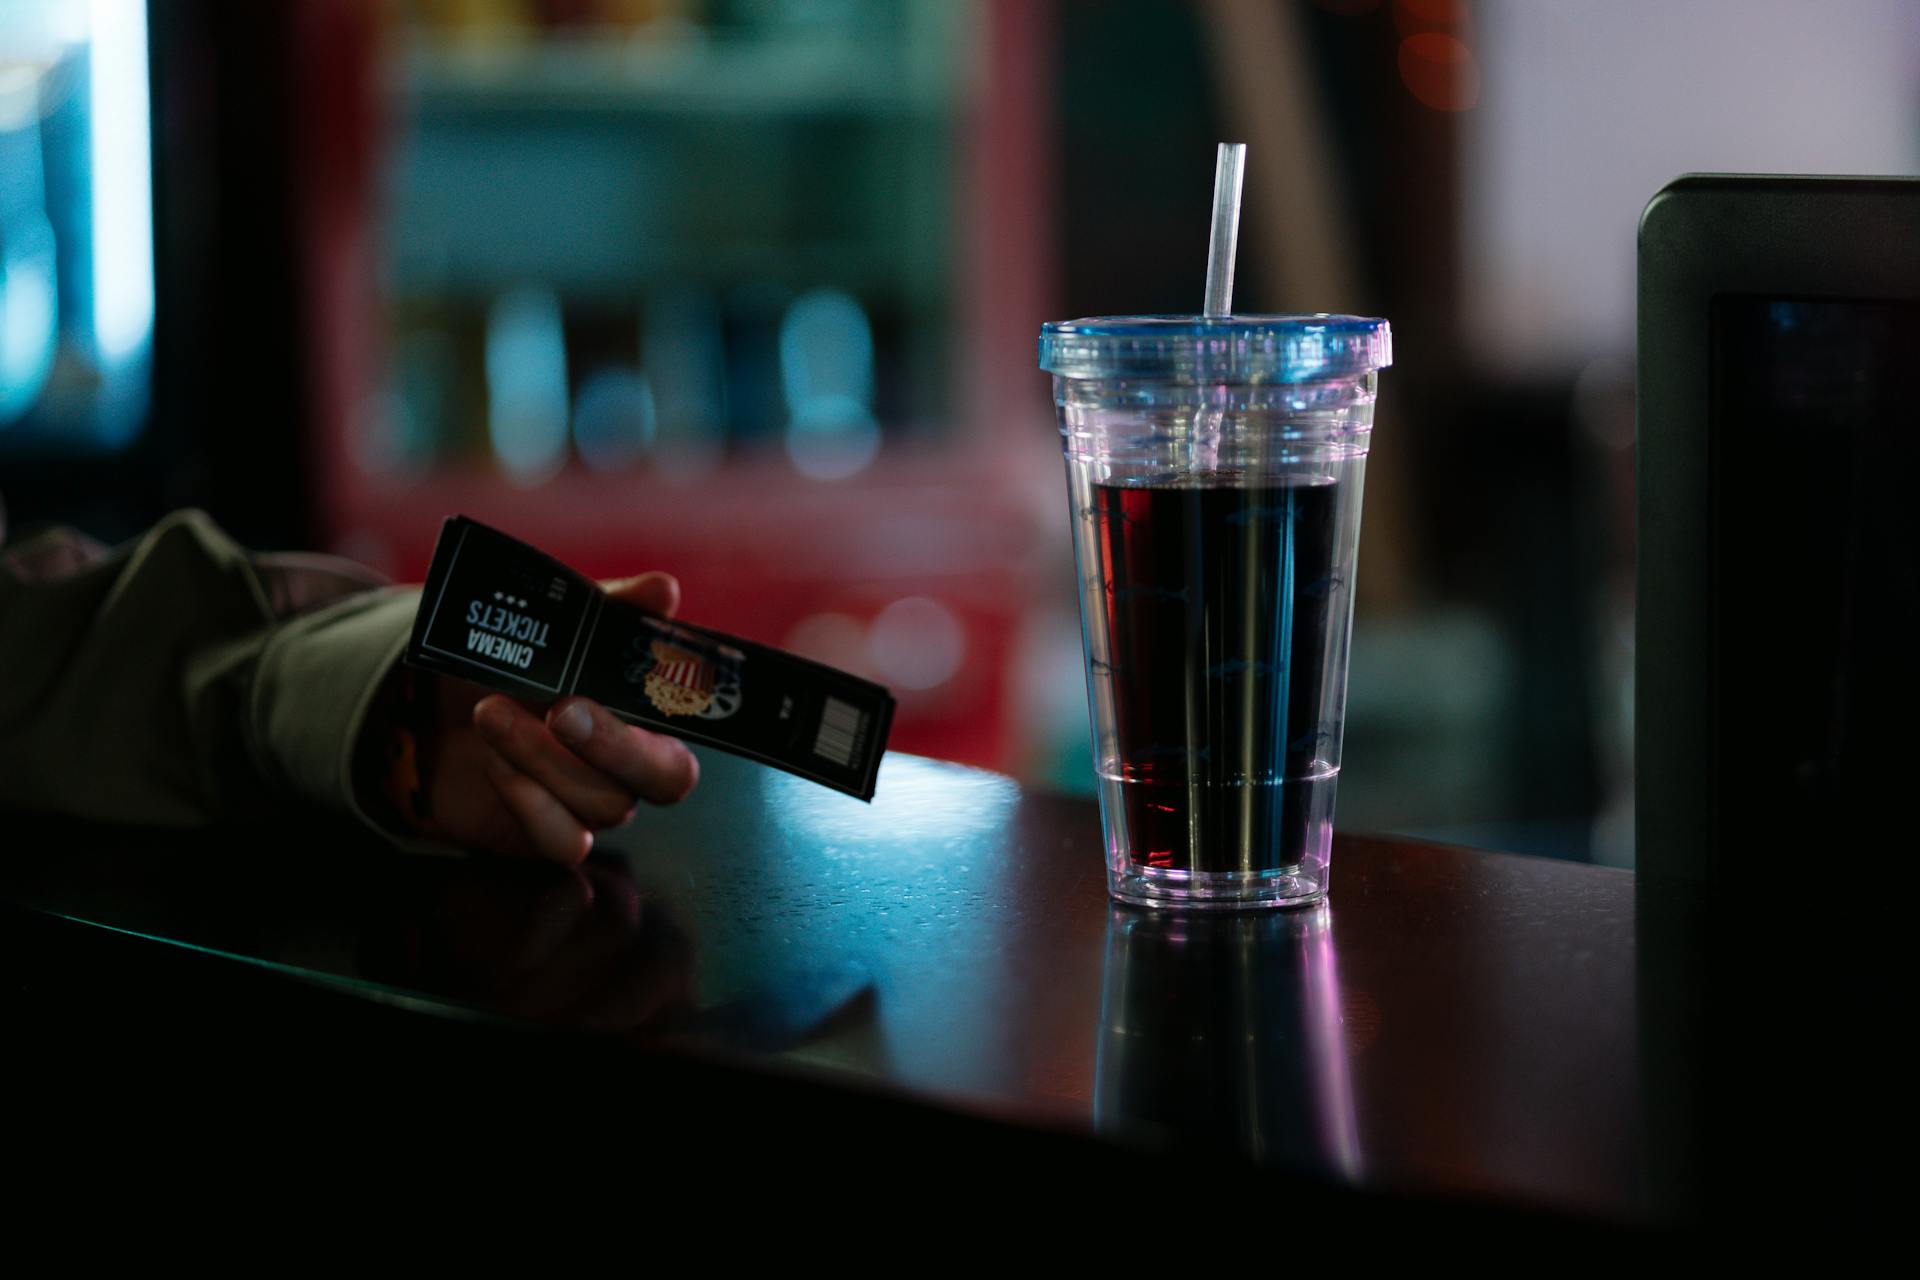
<point>1214,465</point>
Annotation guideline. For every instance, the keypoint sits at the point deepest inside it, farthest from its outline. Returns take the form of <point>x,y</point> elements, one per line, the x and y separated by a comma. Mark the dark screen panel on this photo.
<point>1816,445</point>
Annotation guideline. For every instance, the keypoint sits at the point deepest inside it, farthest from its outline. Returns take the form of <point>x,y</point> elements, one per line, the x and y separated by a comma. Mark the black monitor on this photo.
<point>1776,657</point>
<point>1779,452</point>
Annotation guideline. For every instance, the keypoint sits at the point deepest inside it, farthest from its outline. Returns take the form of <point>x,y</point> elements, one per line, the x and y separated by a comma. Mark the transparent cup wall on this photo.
<point>1216,531</point>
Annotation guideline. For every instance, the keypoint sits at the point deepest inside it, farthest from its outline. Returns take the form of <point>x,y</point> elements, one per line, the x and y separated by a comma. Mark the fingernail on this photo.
<point>492,719</point>
<point>573,723</point>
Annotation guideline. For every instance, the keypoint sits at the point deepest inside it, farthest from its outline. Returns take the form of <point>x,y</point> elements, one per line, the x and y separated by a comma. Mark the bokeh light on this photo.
<point>527,384</point>
<point>826,371</point>
<point>613,419</point>
<point>1439,71</point>
<point>917,643</point>
<point>836,639</point>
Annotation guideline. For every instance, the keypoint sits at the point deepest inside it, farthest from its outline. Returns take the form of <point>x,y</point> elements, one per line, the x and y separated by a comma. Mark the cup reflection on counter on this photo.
<point>1223,1032</point>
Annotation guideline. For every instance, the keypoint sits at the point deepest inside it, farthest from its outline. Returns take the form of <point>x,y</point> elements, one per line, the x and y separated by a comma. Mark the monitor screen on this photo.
<point>76,226</point>
<point>1816,454</point>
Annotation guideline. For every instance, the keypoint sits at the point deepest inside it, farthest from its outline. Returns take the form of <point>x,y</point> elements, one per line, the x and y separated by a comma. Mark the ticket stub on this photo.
<point>500,613</point>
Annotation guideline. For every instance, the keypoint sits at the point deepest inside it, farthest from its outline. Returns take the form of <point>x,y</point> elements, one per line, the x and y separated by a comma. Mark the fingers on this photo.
<point>658,769</point>
<point>579,771</point>
<point>597,798</point>
<point>550,826</point>
<point>654,592</point>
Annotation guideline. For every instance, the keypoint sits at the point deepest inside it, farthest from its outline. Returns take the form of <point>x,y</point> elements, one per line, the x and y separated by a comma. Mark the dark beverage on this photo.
<point>1216,627</point>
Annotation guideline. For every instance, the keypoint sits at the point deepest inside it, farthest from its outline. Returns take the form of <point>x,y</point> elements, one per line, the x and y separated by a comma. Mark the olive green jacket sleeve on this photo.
<point>180,680</point>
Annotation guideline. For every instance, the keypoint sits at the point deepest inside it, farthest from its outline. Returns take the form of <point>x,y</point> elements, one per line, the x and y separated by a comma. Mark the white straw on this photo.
<point>1224,243</point>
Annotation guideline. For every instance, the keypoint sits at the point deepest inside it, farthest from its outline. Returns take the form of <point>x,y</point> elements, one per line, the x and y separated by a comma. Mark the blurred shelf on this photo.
<point>604,166</point>
<point>616,278</point>
<point>693,76</point>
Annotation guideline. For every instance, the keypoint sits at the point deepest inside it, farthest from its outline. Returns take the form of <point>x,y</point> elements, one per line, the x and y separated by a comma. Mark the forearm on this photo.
<point>157,685</point>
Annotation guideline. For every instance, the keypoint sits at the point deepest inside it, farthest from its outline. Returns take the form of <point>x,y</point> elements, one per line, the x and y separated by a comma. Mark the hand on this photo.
<point>501,777</point>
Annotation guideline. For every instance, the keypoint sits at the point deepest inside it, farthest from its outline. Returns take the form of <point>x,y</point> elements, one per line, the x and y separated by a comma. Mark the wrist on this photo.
<point>392,773</point>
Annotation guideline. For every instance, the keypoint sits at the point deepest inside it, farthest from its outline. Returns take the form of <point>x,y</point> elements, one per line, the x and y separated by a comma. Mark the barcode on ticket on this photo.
<point>840,725</point>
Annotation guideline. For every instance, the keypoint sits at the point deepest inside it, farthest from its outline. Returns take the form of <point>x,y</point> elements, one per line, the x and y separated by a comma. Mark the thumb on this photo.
<point>657,593</point>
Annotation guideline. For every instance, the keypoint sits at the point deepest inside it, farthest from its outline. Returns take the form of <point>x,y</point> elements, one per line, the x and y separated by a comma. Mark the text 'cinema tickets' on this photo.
<point>503,614</point>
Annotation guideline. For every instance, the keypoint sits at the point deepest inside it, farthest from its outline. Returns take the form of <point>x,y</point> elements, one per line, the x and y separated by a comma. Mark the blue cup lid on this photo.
<point>1233,349</point>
